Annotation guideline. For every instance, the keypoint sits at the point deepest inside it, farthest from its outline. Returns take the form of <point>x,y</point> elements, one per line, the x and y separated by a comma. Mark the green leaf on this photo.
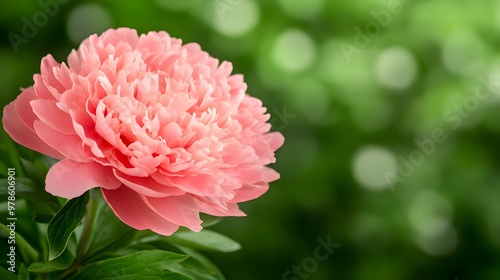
<point>28,253</point>
<point>23,273</point>
<point>204,240</point>
<point>6,274</point>
<point>153,264</point>
<point>209,220</point>
<point>62,262</point>
<point>64,224</point>
<point>197,266</point>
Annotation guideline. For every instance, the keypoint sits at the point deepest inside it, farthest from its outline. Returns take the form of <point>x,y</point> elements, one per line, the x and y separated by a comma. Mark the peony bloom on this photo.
<point>163,129</point>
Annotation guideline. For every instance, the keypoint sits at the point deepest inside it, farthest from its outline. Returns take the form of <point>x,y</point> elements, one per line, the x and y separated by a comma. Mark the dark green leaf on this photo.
<point>140,265</point>
<point>197,266</point>
<point>6,274</point>
<point>23,273</point>
<point>209,220</point>
<point>64,224</point>
<point>62,262</point>
<point>204,240</point>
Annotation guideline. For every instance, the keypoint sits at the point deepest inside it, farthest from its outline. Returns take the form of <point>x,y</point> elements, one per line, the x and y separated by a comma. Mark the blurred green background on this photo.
<point>358,88</point>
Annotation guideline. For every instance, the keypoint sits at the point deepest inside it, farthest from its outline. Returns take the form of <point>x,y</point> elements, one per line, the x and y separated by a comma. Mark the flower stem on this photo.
<point>90,214</point>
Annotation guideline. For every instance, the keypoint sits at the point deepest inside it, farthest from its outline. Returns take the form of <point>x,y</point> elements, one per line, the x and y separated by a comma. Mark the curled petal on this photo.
<point>147,186</point>
<point>23,135</point>
<point>48,112</point>
<point>69,145</point>
<point>70,179</point>
<point>131,208</point>
<point>180,210</point>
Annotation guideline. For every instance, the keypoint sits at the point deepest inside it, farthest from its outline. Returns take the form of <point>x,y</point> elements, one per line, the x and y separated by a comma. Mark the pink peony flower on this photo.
<point>163,129</point>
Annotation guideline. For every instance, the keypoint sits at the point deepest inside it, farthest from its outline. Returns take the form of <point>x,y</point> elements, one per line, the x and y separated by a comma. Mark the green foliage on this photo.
<point>147,264</point>
<point>204,240</point>
<point>64,223</point>
<point>62,262</point>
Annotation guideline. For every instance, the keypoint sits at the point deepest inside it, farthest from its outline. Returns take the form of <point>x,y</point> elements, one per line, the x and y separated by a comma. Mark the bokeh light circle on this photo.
<point>294,50</point>
<point>235,18</point>
<point>396,68</point>
<point>370,166</point>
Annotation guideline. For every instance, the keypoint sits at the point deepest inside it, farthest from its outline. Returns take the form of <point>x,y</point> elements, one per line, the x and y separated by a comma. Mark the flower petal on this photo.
<point>70,146</point>
<point>147,186</point>
<point>179,210</point>
<point>211,208</point>
<point>132,210</point>
<point>23,135</point>
<point>70,179</point>
<point>23,107</point>
<point>275,140</point>
<point>250,191</point>
<point>48,112</point>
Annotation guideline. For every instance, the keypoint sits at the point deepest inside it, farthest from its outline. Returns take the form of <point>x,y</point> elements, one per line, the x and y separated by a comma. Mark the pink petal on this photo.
<point>48,112</point>
<point>70,146</point>
<point>47,67</point>
<point>250,191</point>
<point>70,179</point>
<point>147,186</point>
<point>211,208</point>
<point>41,89</point>
<point>203,185</point>
<point>23,107</point>
<point>23,135</point>
<point>275,140</point>
<point>179,210</point>
<point>132,210</point>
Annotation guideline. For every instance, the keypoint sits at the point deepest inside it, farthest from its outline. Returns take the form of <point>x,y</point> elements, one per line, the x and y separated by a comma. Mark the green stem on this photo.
<point>87,229</point>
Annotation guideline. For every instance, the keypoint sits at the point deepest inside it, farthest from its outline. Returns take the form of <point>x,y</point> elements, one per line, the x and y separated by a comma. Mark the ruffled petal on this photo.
<point>48,112</point>
<point>18,131</point>
<point>179,210</point>
<point>70,179</point>
<point>250,191</point>
<point>211,208</point>
<point>132,210</point>
<point>23,107</point>
<point>147,186</point>
<point>70,146</point>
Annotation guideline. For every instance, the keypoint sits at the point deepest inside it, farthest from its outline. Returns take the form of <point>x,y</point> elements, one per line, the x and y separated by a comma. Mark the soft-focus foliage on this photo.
<point>364,92</point>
